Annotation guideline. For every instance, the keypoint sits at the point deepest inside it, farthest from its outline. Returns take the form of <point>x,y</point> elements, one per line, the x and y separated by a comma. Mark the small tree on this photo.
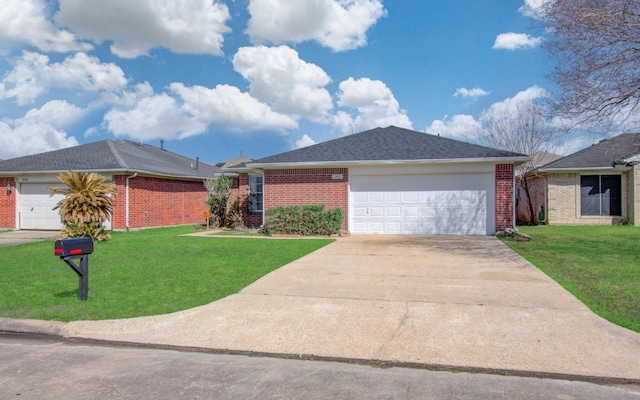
<point>218,200</point>
<point>523,128</point>
<point>86,206</point>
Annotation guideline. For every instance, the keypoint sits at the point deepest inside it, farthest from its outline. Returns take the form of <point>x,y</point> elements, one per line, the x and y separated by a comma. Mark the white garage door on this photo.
<point>36,207</point>
<point>444,204</point>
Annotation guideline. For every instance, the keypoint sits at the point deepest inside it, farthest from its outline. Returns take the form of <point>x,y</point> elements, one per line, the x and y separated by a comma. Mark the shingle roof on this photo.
<point>108,155</point>
<point>600,155</point>
<point>387,144</point>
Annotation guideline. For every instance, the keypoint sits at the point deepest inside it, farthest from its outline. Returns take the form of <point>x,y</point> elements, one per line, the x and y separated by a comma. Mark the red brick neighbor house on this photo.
<point>155,187</point>
<point>599,185</point>
<point>390,181</point>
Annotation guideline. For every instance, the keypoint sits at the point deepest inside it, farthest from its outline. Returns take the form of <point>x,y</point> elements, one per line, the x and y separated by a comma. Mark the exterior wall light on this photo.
<point>8,189</point>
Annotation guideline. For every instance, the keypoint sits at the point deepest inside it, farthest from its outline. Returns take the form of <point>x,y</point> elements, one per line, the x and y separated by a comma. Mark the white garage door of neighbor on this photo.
<point>36,207</point>
<point>443,204</point>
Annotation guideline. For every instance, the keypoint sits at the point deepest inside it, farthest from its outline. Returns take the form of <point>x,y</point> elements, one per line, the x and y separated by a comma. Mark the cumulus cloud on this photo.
<point>463,126</point>
<point>459,126</point>
<point>135,27</point>
<point>227,105</point>
<point>305,141</point>
<point>337,24</point>
<point>39,130</point>
<point>278,77</point>
<point>155,117</point>
<point>515,41</point>
<point>33,75</point>
<point>533,8</point>
<point>470,93</point>
<point>374,103</point>
<point>25,22</point>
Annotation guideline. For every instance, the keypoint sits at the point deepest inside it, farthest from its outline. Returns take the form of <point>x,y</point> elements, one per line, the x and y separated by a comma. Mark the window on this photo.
<point>255,193</point>
<point>601,195</point>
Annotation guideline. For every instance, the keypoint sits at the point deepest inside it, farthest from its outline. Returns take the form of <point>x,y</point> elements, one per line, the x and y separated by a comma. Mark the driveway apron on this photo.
<point>455,301</point>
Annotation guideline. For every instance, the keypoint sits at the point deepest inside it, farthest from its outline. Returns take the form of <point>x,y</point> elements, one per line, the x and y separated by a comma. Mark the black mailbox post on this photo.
<point>69,249</point>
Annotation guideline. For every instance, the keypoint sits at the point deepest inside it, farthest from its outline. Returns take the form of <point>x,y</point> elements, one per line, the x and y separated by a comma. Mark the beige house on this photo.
<point>531,195</point>
<point>599,185</point>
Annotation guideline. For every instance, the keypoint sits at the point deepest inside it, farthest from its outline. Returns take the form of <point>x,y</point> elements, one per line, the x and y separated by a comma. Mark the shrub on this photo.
<point>219,189</point>
<point>309,220</point>
<point>87,204</point>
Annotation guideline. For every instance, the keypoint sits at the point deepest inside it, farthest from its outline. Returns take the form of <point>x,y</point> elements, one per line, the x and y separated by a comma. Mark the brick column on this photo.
<point>504,196</point>
<point>7,203</point>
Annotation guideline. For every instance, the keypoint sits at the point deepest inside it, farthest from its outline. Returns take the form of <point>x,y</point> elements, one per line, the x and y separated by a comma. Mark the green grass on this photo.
<point>145,272</point>
<point>600,265</point>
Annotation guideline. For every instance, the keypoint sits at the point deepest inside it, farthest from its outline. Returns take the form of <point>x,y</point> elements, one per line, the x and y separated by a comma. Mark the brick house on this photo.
<point>155,187</point>
<point>390,181</point>
<point>599,185</point>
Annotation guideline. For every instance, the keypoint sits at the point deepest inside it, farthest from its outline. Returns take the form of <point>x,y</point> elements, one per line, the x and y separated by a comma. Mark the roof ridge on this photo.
<point>116,154</point>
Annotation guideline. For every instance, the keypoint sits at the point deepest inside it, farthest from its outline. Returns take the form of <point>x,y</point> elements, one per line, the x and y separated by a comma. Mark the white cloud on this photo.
<point>459,126</point>
<point>463,126</point>
<point>33,75</point>
<point>24,22</point>
<point>470,93</point>
<point>509,105</point>
<point>533,8</point>
<point>515,41</point>
<point>278,77</point>
<point>154,117</point>
<point>375,105</point>
<point>337,24</point>
<point>135,27</point>
<point>305,141</point>
<point>39,130</point>
<point>228,106</point>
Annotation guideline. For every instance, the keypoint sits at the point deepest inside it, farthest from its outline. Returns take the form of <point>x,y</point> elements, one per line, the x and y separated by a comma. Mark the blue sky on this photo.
<point>215,79</point>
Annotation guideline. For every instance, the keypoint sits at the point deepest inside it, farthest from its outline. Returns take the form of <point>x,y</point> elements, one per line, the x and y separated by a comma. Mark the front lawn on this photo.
<point>600,265</point>
<point>145,272</point>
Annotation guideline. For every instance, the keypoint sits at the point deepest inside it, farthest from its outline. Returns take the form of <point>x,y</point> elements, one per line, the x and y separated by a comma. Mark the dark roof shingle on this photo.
<point>108,155</point>
<point>386,144</point>
<point>600,155</point>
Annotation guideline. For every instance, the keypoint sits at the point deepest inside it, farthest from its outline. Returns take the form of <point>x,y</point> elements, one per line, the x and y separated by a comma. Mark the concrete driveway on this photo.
<point>14,238</point>
<point>460,302</point>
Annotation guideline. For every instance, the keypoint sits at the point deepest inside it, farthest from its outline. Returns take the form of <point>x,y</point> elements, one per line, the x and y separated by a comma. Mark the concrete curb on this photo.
<point>31,327</point>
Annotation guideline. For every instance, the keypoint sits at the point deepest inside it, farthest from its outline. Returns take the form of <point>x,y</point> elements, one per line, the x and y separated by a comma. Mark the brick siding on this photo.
<point>288,187</point>
<point>563,199</point>
<point>504,196</point>
<point>7,204</point>
<point>158,202</point>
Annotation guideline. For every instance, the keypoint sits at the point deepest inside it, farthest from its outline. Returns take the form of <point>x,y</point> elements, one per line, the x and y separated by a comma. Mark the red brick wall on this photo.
<point>158,202</point>
<point>297,187</point>
<point>504,196</point>
<point>7,203</point>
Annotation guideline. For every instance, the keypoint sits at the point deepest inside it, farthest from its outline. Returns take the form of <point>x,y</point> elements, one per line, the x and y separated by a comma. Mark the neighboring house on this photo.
<point>533,195</point>
<point>391,181</point>
<point>599,185</point>
<point>155,187</point>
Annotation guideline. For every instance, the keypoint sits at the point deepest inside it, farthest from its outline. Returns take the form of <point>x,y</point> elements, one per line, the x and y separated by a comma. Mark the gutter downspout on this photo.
<point>126,210</point>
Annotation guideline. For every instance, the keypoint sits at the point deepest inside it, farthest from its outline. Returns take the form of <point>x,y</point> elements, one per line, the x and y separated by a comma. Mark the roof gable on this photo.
<point>108,155</point>
<point>601,155</point>
<point>387,144</point>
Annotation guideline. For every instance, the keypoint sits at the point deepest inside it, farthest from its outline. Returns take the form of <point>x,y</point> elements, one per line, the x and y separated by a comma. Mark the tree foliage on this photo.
<point>219,190</point>
<point>523,128</point>
<point>597,47</point>
<point>86,206</point>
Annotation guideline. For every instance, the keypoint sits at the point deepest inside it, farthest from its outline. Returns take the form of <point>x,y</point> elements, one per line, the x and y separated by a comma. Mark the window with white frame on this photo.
<point>601,195</point>
<point>255,193</point>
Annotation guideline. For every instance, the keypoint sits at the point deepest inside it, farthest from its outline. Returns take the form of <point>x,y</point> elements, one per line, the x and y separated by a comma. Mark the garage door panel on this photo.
<point>36,210</point>
<point>427,204</point>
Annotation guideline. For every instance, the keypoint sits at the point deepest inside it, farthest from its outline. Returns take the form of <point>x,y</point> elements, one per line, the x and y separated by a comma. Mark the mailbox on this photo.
<point>73,247</point>
<point>70,249</point>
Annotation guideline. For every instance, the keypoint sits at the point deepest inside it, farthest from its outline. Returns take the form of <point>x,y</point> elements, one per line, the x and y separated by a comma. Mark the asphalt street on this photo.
<point>37,368</point>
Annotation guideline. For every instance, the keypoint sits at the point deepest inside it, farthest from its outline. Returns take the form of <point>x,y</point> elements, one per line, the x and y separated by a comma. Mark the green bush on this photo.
<point>309,220</point>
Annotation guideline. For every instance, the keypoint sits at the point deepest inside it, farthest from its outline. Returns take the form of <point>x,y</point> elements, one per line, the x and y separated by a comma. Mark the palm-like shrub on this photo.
<point>86,206</point>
